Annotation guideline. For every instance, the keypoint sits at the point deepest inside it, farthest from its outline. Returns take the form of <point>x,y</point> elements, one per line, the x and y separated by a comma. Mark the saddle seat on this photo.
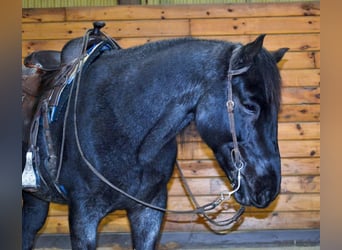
<point>45,60</point>
<point>53,60</point>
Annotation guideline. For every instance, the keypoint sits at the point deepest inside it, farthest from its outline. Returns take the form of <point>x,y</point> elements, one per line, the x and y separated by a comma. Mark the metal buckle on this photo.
<point>230,105</point>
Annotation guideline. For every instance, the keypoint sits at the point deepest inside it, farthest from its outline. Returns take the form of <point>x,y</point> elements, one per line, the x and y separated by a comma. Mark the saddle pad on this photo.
<point>60,95</point>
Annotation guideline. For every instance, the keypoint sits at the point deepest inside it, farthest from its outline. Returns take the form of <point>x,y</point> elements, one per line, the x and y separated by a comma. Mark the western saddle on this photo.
<point>44,76</point>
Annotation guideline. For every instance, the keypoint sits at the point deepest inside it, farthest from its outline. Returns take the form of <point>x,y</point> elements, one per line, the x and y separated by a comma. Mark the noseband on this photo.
<point>237,159</point>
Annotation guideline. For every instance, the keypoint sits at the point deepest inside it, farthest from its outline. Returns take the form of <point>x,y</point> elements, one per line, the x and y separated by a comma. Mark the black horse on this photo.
<point>123,118</point>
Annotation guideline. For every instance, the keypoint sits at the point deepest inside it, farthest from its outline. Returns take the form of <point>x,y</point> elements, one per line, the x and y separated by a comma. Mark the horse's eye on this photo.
<point>251,107</point>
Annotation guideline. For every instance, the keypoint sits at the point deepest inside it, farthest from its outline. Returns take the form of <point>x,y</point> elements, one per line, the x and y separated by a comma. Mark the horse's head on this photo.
<point>256,97</point>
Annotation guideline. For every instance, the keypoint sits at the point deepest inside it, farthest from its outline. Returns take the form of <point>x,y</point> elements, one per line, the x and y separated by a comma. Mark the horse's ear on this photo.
<point>249,51</point>
<point>278,55</point>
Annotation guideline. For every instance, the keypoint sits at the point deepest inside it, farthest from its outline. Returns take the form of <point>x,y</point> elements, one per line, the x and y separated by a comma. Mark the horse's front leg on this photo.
<point>34,213</point>
<point>84,217</point>
<point>146,223</point>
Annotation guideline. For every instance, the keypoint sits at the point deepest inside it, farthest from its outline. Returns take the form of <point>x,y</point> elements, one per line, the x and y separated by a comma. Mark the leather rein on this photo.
<point>238,161</point>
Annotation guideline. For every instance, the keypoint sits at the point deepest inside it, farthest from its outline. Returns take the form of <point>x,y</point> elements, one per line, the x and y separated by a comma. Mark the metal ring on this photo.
<point>240,165</point>
<point>230,105</point>
<point>238,162</point>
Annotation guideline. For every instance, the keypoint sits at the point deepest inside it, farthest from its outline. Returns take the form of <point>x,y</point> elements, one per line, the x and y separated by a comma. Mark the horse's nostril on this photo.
<point>264,198</point>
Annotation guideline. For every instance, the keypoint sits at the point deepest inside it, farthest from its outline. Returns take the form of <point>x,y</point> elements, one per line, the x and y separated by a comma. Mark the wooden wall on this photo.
<point>91,3</point>
<point>293,25</point>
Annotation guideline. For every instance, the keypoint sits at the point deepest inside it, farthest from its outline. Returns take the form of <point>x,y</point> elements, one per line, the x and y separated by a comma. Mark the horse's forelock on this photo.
<point>266,65</point>
<point>271,77</point>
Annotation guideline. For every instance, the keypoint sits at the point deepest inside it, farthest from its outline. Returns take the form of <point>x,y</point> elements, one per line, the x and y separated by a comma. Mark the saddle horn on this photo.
<point>98,25</point>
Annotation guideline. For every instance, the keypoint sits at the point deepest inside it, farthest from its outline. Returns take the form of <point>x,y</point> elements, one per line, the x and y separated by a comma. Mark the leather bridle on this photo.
<point>237,159</point>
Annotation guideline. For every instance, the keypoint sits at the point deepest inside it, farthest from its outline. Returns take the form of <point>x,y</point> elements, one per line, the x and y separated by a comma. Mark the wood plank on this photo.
<point>59,224</point>
<point>300,184</point>
<point>177,223</point>
<point>292,202</point>
<point>300,166</point>
<point>298,131</point>
<point>262,25</point>
<point>288,149</point>
<point>304,95</point>
<point>298,60</point>
<point>300,42</point>
<point>303,148</point>
<point>304,184</point>
<point>318,59</point>
<point>40,15</point>
<point>199,168</point>
<point>295,42</point>
<point>69,30</point>
<point>299,113</point>
<point>283,203</point>
<point>210,168</point>
<point>252,221</point>
<point>216,185</point>
<point>302,77</point>
<point>193,11</point>
<point>292,60</point>
<point>143,28</point>
<point>35,45</point>
<point>286,131</point>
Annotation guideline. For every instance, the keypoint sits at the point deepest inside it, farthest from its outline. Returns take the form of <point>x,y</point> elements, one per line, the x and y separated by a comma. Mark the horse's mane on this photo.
<point>271,77</point>
<point>265,62</point>
<point>161,45</point>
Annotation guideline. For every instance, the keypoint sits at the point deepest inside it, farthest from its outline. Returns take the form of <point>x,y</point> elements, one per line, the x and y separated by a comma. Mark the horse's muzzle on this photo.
<point>260,199</point>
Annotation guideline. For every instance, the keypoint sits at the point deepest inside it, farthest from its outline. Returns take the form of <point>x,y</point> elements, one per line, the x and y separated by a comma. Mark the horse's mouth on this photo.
<point>246,197</point>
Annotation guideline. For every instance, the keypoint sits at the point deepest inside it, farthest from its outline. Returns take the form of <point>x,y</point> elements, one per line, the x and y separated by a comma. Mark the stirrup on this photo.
<point>29,178</point>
